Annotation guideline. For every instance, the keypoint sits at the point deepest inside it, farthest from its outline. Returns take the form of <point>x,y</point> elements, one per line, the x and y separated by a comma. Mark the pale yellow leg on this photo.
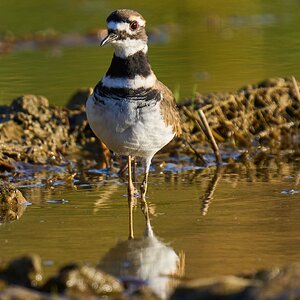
<point>130,198</point>
<point>133,162</point>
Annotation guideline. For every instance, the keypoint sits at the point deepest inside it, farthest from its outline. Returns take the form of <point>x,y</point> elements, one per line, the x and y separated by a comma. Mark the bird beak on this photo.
<point>109,38</point>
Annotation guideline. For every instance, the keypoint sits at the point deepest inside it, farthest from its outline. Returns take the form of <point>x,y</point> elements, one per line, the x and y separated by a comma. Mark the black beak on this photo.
<point>108,39</point>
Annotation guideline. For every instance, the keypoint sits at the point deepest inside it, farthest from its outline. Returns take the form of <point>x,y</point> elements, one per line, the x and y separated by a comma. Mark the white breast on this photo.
<point>127,129</point>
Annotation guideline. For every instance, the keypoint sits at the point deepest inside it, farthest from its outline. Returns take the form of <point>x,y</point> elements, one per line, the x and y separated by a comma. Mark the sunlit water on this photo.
<point>200,46</point>
<point>251,221</point>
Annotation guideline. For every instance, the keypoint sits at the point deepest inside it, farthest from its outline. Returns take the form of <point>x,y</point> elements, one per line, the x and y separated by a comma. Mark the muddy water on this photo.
<point>235,221</point>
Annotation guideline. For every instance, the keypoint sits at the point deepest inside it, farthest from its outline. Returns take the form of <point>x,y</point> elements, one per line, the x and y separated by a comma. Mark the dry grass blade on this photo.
<point>296,87</point>
<point>266,114</point>
<point>210,136</point>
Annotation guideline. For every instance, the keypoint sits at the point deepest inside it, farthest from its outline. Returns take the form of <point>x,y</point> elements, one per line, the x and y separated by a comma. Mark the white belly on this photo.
<point>128,130</point>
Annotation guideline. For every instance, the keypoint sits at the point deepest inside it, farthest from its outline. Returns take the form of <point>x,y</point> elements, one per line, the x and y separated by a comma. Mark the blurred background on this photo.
<point>51,47</point>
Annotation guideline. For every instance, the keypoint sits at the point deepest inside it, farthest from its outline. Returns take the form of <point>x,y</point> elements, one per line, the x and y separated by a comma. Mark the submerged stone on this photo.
<point>21,293</point>
<point>74,280</point>
<point>229,287</point>
<point>278,283</point>
<point>275,284</point>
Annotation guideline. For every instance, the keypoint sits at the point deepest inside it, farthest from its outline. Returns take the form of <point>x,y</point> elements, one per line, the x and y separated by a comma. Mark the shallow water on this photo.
<point>200,46</point>
<point>251,221</point>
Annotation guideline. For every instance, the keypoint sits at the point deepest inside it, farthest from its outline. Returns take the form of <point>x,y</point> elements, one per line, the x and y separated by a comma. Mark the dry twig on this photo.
<point>296,87</point>
<point>210,136</point>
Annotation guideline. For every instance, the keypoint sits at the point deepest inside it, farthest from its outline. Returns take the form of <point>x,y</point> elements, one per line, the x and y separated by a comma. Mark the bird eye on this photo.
<point>134,25</point>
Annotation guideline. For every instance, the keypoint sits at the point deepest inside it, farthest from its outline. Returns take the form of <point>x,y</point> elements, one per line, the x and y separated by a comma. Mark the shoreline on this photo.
<point>261,116</point>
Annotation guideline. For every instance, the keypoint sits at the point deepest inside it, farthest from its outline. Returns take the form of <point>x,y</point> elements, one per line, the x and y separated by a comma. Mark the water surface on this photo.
<point>251,222</point>
<point>199,46</point>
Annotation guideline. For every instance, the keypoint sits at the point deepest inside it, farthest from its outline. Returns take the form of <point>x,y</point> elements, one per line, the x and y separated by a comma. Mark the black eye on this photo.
<point>134,25</point>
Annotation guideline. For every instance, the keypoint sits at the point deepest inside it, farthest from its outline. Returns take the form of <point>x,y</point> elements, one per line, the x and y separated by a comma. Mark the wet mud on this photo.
<point>34,131</point>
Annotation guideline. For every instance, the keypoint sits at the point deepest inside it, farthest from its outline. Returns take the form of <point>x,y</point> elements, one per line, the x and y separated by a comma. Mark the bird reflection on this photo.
<point>209,193</point>
<point>145,261</point>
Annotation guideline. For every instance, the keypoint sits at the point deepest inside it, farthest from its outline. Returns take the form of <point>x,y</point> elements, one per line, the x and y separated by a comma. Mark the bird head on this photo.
<point>126,32</point>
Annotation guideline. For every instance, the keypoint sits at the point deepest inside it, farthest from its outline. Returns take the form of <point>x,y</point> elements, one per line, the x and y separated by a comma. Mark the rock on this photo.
<point>24,271</point>
<point>21,293</point>
<point>229,287</point>
<point>11,131</point>
<point>33,131</point>
<point>36,106</point>
<point>273,284</point>
<point>144,293</point>
<point>12,203</point>
<point>83,281</point>
<point>278,284</point>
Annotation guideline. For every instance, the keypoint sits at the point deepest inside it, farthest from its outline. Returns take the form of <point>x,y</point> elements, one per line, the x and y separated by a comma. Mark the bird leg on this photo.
<point>105,155</point>
<point>143,187</point>
<point>133,160</point>
<point>130,197</point>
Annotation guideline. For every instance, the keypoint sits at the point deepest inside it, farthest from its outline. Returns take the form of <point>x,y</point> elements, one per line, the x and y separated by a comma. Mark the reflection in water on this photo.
<point>209,193</point>
<point>12,203</point>
<point>145,260</point>
<point>9,213</point>
<point>103,200</point>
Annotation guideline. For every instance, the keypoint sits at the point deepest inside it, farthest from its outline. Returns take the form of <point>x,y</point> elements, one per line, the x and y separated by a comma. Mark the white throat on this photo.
<point>129,47</point>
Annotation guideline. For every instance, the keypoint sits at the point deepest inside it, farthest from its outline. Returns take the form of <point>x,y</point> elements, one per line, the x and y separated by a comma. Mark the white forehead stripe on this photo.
<point>137,82</point>
<point>121,26</point>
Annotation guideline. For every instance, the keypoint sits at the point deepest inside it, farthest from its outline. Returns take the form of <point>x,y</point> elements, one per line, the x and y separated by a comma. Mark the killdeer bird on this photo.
<point>132,112</point>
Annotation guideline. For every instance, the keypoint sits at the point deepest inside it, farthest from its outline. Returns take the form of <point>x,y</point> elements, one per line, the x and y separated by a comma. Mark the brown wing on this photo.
<point>169,109</point>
